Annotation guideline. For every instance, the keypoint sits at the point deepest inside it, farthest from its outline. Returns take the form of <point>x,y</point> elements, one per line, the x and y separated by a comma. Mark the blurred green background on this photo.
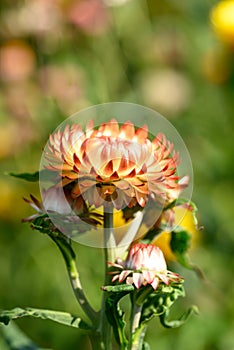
<point>57,57</point>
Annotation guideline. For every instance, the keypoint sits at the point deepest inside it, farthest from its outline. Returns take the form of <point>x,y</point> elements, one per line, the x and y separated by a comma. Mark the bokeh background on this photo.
<point>59,56</point>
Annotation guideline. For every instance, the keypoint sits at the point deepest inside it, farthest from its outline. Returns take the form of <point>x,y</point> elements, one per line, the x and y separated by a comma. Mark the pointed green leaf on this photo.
<point>14,338</point>
<point>56,316</point>
<point>177,323</point>
<point>115,316</point>
<point>44,174</point>
<point>31,177</point>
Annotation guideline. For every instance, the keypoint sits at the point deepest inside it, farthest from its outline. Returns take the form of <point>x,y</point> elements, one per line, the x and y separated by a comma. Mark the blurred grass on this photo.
<point>159,54</point>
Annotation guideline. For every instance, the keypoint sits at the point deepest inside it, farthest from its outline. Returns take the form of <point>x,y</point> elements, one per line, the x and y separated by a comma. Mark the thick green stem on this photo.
<point>105,327</point>
<point>109,238</point>
<point>136,315</point>
<point>69,257</point>
<point>138,339</point>
<point>135,342</point>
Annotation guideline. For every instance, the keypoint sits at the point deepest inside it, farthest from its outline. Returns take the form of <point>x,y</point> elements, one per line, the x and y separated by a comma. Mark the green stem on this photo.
<point>135,333</point>
<point>136,315</point>
<point>138,338</point>
<point>69,257</point>
<point>105,327</point>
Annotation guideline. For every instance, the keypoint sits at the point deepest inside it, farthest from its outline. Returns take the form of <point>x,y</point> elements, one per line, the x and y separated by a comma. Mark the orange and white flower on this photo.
<point>116,163</point>
<point>145,264</point>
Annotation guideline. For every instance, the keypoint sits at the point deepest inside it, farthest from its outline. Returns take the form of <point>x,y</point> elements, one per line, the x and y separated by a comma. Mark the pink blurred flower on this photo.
<point>70,92</point>
<point>145,264</point>
<point>114,163</point>
<point>91,16</point>
<point>17,60</point>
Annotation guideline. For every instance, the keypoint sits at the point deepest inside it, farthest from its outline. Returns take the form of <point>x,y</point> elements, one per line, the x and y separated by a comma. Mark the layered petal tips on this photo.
<point>114,162</point>
<point>145,264</point>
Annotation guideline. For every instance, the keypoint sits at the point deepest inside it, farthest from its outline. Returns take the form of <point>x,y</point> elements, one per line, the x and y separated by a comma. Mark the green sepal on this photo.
<point>159,301</point>
<point>14,338</point>
<point>57,316</point>
<point>177,323</point>
<point>43,224</point>
<point>119,288</point>
<point>142,294</point>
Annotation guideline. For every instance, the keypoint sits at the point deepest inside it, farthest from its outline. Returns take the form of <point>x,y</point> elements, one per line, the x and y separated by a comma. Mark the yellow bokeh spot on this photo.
<point>185,220</point>
<point>222,18</point>
<point>217,65</point>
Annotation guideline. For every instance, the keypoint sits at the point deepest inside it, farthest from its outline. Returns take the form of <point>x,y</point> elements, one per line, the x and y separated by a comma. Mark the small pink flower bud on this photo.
<point>145,264</point>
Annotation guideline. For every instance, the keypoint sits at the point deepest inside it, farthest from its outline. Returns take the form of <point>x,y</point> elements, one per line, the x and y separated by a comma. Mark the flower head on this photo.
<point>114,163</point>
<point>145,264</point>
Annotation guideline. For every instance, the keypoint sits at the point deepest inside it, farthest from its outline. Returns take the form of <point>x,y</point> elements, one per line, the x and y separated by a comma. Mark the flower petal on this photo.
<point>137,279</point>
<point>155,283</point>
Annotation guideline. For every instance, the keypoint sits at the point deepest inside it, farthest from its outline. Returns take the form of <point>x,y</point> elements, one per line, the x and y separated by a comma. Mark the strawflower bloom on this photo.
<point>115,163</point>
<point>145,264</point>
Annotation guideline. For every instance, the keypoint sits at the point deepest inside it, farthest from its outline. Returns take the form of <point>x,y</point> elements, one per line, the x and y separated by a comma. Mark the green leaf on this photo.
<point>180,241</point>
<point>14,338</point>
<point>180,244</point>
<point>177,323</point>
<point>31,177</point>
<point>115,316</point>
<point>45,174</point>
<point>56,316</point>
